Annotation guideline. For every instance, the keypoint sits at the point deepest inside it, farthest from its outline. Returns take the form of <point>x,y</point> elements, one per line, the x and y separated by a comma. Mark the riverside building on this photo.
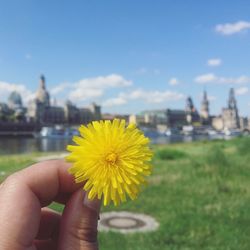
<point>41,112</point>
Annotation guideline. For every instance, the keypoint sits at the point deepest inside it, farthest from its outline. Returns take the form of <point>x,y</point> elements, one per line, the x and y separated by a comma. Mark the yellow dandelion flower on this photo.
<point>111,159</point>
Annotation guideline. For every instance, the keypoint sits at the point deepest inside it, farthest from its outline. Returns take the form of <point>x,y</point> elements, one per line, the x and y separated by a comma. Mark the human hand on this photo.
<point>26,223</point>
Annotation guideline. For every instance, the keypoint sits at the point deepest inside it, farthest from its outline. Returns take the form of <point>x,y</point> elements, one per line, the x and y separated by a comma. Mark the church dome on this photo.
<point>42,94</point>
<point>15,100</point>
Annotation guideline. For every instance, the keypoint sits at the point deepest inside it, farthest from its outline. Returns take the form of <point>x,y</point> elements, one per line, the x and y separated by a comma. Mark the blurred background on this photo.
<point>178,69</point>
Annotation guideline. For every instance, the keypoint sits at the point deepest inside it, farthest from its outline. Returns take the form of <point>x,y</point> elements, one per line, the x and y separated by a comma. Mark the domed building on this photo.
<point>15,100</point>
<point>42,95</point>
<point>15,105</point>
<point>39,109</point>
<point>42,112</point>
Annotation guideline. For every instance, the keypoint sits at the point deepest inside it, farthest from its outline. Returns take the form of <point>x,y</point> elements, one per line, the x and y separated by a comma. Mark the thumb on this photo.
<point>78,229</point>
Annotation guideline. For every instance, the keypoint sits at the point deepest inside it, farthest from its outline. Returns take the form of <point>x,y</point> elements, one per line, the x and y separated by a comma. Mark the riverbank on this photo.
<point>12,145</point>
<point>199,193</point>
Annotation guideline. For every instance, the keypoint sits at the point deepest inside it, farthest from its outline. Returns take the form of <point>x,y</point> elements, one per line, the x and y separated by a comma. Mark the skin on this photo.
<point>26,222</point>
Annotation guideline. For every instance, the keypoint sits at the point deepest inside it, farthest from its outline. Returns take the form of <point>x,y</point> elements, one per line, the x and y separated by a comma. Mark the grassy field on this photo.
<point>199,193</point>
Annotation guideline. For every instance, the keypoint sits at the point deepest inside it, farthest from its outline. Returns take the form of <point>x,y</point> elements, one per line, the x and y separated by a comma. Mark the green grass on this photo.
<point>169,154</point>
<point>200,196</point>
<point>11,164</point>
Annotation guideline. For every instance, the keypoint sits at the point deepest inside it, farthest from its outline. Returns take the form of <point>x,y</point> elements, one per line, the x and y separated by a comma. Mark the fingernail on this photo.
<point>94,204</point>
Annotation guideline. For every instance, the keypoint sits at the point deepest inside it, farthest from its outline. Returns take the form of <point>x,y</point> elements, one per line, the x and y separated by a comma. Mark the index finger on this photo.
<point>23,194</point>
<point>48,181</point>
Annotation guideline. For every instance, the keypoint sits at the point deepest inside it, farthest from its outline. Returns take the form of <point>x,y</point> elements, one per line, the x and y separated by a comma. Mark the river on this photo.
<point>22,145</point>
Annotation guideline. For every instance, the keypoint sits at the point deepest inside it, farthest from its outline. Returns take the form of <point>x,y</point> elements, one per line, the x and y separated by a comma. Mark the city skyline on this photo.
<point>128,57</point>
<point>50,101</point>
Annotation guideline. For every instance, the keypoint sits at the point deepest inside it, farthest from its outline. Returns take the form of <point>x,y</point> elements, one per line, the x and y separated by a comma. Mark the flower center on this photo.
<point>111,158</point>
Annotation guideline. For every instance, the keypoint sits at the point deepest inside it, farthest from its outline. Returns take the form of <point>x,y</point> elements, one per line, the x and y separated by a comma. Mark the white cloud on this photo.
<point>94,87</point>
<point>110,81</point>
<point>232,28</point>
<point>116,101</point>
<point>83,94</point>
<point>173,81</point>
<point>59,88</point>
<point>153,96</point>
<point>213,62</point>
<point>90,87</point>
<point>212,78</point>
<point>241,91</point>
<point>6,88</point>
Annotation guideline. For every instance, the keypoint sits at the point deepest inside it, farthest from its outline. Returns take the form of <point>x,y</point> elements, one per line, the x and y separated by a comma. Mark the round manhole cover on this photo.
<point>126,222</point>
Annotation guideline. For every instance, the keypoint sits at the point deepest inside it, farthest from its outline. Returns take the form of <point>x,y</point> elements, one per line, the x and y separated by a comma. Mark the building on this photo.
<point>154,117</point>
<point>176,118</point>
<point>137,119</point>
<point>192,115</point>
<point>204,114</point>
<point>244,123</point>
<point>13,111</point>
<point>41,112</point>
<point>39,109</point>
<point>217,122</point>
<point>230,114</point>
<point>4,112</point>
<point>167,118</point>
<point>108,116</point>
<point>75,115</point>
<point>15,101</point>
<point>230,119</point>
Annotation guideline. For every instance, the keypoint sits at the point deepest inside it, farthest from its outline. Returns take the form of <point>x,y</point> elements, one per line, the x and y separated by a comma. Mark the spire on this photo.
<point>189,104</point>
<point>42,82</point>
<point>204,108</point>
<point>232,101</point>
<point>205,95</point>
<point>205,102</point>
<point>42,94</point>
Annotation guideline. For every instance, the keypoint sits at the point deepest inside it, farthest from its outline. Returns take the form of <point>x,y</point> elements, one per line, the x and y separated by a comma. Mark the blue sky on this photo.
<point>127,55</point>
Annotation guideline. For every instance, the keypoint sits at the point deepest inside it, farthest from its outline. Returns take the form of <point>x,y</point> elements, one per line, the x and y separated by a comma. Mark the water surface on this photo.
<point>21,145</point>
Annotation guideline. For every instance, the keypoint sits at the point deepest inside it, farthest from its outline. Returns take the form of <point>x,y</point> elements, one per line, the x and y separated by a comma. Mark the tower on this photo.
<point>40,105</point>
<point>42,82</point>
<point>205,108</point>
<point>232,104</point>
<point>191,112</point>
<point>42,95</point>
<point>189,105</point>
<point>230,114</point>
